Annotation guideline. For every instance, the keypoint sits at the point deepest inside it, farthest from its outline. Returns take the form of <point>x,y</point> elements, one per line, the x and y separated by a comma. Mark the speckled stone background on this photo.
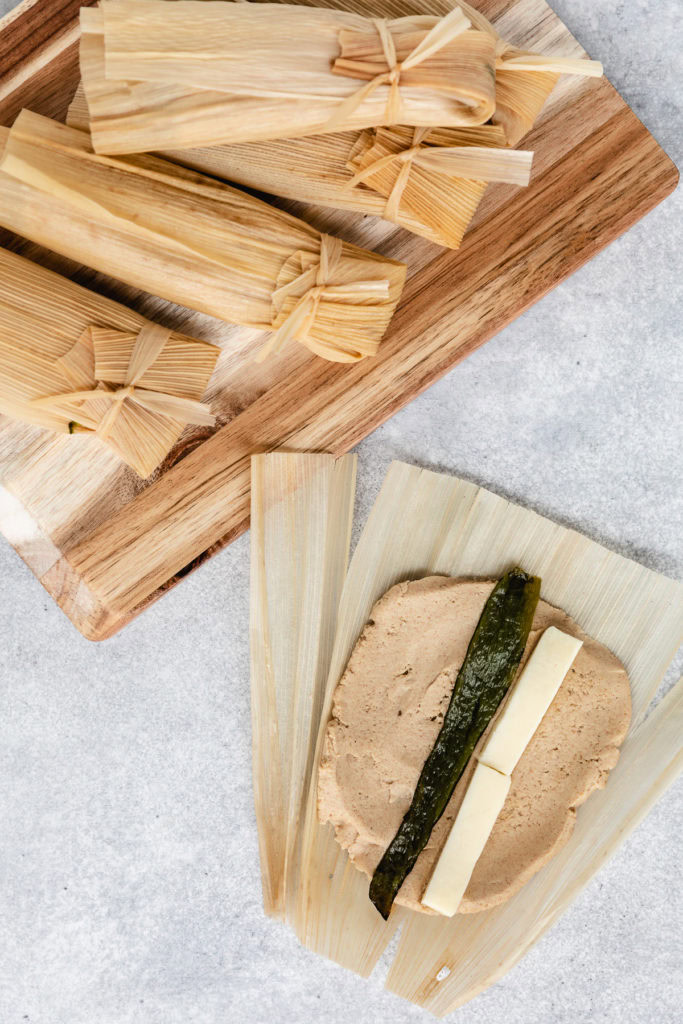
<point>129,886</point>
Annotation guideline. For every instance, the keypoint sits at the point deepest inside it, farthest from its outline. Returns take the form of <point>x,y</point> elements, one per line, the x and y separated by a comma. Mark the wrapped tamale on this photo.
<point>194,241</point>
<point>73,361</point>
<point>133,115</point>
<point>428,180</point>
<point>161,75</point>
<point>353,171</point>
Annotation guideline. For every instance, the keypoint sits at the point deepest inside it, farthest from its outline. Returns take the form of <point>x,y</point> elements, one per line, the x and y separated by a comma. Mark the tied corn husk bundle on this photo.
<point>195,241</point>
<point>125,114</point>
<point>434,201</point>
<point>433,172</point>
<point>450,526</point>
<point>74,362</point>
<point>160,76</point>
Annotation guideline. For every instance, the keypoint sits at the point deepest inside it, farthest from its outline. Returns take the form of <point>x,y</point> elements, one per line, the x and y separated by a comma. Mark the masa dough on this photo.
<point>387,711</point>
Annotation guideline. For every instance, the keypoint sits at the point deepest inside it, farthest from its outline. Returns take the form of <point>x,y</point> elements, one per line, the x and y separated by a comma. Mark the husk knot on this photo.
<point>310,287</point>
<point>149,344</point>
<point>443,33</point>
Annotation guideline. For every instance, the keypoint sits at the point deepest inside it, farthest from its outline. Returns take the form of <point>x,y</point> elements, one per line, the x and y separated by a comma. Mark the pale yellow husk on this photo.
<point>130,115</point>
<point>192,240</point>
<point>57,338</point>
<point>519,97</point>
<point>301,511</point>
<point>188,73</point>
<point>470,952</point>
<point>445,525</point>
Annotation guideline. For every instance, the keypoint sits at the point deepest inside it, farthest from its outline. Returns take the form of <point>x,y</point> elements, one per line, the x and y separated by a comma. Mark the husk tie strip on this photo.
<point>317,281</point>
<point>514,166</point>
<point>511,60</point>
<point>444,32</point>
<point>147,348</point>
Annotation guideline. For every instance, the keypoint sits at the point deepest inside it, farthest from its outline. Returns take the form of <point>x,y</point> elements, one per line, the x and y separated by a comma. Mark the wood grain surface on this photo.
<point>596,172</point>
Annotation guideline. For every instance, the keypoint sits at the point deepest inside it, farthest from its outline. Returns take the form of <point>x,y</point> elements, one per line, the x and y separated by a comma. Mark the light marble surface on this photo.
<point>129,891</point>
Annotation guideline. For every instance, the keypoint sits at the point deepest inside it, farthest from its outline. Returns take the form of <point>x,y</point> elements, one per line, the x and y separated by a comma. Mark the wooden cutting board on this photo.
<point>105,545</point>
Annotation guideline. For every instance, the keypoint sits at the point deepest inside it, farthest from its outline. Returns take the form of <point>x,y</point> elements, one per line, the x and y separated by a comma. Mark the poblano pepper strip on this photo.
<point>490,665</point>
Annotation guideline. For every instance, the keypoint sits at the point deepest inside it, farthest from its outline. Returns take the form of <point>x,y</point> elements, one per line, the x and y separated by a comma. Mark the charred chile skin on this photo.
<point>490,665</point>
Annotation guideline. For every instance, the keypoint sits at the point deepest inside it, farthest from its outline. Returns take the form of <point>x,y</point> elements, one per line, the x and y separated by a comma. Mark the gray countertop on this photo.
<point>129,891</point>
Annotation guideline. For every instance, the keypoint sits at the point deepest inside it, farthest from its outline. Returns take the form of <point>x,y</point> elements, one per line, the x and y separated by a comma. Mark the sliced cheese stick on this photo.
<point>531,697</point>
<point>481,806</point>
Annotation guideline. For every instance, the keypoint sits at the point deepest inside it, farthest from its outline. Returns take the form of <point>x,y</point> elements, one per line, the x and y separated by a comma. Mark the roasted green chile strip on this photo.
<point>490,665</point>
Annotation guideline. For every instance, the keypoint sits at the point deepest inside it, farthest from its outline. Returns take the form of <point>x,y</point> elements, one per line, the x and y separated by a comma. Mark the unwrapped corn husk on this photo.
<point>437,204</point>
<point>301,512</point>
<point>161,75</point>
<point>194,241</point>
<point>57,338</point>
<point>452,527</point>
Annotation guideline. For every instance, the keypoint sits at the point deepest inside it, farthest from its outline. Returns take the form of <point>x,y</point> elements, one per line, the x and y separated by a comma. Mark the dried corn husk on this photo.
<point>453,527</point>
<point>195,241</point>
<point>126,113</point>
<point>273,71</point>
<point>468,954</point>
<point>435,204</point>
<point>301,511</point>
<point>433,173</point>
<point>58,340</point>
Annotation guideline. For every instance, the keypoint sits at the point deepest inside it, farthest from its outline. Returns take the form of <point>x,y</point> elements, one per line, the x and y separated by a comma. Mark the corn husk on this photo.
<point>272,71</point>
<point>453,527</point>
<point>57,338</point>
<point>434,204</point>
<point>194,241</point>
<point>460,959</point>
<point>301,511</point>
<point>439,176</point>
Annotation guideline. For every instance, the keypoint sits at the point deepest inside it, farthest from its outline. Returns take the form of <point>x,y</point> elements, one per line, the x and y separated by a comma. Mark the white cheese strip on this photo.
<point>481,806</point>
<point>531,697</point>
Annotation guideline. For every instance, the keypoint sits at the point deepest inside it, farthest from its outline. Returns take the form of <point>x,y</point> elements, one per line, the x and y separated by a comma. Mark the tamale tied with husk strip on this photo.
<point>194,241</point>
<point>74,362</point>
<point>161,75</point>
<point>130,115</point>
<point>524,79</point>
<point>435,173</point>
<point>381,171</point>
<point>431,200</point>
